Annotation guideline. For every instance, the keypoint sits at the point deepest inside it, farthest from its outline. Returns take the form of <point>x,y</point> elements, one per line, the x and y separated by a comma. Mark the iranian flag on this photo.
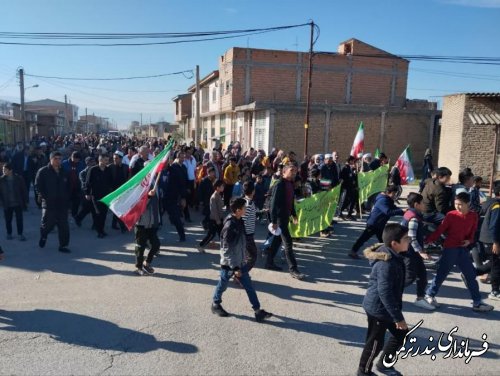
<point>405,168</point>
<point>129,201</point>
<point>359,142</point>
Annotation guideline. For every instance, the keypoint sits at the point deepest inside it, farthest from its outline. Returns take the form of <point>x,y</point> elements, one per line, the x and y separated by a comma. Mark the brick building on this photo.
<point>258,97</point>
<point>468,133</point>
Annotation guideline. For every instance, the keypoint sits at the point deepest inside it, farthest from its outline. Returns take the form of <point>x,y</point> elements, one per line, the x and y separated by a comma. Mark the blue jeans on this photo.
<point>461,258</point>
<point>246,282</point>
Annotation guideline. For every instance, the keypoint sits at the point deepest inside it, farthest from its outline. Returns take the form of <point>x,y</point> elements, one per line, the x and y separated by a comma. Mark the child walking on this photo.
<point>233,261</point>
<point>414,258</point>
<point>146,230</point>
<point>383,301</point>
<point>460,227</point>
<point>383,209</point>
<point>216,215</point>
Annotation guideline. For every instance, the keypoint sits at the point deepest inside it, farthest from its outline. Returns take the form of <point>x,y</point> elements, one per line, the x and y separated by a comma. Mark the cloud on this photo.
<point>230,10</point>
<point>474,3</point>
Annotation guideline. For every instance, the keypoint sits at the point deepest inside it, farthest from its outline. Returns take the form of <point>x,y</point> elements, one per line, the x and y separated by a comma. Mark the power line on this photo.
<point>228,34</point>
<point>184,72</point>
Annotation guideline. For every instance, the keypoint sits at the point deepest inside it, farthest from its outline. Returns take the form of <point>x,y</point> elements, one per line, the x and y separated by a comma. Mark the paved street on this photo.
<point>86,313</point>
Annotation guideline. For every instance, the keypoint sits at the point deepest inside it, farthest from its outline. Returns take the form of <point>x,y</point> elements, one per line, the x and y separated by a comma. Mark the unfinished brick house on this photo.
<point>258,97</point>
<point>468,134</point>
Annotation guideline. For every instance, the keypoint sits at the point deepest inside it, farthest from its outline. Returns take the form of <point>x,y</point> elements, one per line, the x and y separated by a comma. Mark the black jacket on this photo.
<point>119,175</point>
<point>330,172</point>
<point>384,296</point>
<point>53,187</point>
<point>278,205</point>
<point>436,197</point>
<point>99,182</point>
<point>490,229</point>
<point>175,186</point>
<point>19,190</point>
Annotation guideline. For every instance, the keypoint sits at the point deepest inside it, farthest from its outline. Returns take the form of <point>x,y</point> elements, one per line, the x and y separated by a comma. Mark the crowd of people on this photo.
<point>235,190</point>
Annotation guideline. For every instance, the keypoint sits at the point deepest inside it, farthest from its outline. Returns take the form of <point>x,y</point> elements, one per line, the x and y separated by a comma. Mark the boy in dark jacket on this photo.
<point>383,301</point>
<point>382,211</point>
<point>232,261</point>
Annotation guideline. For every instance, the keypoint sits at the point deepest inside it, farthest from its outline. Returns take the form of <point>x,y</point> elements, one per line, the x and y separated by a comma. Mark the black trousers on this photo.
<point>8,214</point>
<point>250,252</point>
<point>100,217</point>
<point>375,342</point>
<point>365,236</point>
<point>87,207</point>
<point>143,236</point>
<point>55,217</point>
<point>75,199</point>
<point>174,215</point>
<point>350,198</point>
<point>415,271</point>
<point>495,268</point>
<point>228,193</point>
<point>213,229</point>
<point>286,239</point>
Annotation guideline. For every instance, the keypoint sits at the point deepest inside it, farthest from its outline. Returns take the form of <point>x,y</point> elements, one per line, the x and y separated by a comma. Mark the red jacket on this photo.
<point>457,228</point>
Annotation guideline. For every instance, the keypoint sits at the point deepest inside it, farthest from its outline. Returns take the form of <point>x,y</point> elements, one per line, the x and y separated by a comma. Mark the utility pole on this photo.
<point>494,164</point>
<point>66,120</point>
<point>197,132</point>
<point>308,100</point>
<point>23,113</point>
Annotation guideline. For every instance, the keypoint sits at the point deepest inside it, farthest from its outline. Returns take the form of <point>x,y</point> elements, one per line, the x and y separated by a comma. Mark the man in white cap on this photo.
<point>367,159</point>
<point>329,171</point>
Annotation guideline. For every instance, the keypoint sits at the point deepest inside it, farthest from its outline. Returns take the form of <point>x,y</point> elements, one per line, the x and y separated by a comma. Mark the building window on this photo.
<point>227,87</point>
<point>214,95</point>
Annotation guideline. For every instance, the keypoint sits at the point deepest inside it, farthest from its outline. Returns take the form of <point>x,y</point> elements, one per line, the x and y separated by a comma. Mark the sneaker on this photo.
<point>22,238</point>
<point>42,242</point>
<point>10,237</point>
<point>261,315</point>
<point>388,371</point>
<point>422,303</point>
<point>482,307</point>
<point>148,269</point>
<point>64,250</point>
<point>297,275</point>
<point>218,310</point>
<point>351,218</point>
<point>353,255</point>
<point>200,249</point>
<point>139,271</point>
<point>431,300</point>
<point>274,267</point>
<point>495,295</point>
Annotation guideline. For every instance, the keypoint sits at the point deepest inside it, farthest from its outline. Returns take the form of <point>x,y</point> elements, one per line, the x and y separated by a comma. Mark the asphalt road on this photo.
<point>87,313</point>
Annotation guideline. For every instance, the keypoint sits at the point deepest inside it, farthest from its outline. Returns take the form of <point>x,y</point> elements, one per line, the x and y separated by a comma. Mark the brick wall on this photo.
<point>478,140</point>
<point>400,130</point>
<point>282,76</point>
<point>451,133</point>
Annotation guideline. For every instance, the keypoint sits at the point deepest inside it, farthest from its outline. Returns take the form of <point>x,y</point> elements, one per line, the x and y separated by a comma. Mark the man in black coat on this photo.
<point>52,184</point>
<point>175,190</point>
<point>99,183</point>
<point>281,209</point>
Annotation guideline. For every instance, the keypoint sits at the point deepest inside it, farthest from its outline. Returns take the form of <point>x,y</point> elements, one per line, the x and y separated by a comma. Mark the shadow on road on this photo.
<point>81,330</point>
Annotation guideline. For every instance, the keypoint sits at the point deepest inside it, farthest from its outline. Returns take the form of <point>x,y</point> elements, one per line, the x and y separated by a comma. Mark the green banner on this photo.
<point>372,182</point>
<point>315,213</point>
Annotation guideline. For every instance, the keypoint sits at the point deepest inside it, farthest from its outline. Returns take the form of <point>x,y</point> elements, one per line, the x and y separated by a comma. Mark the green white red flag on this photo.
<point>359,142</point>
<point>405,168</point>
<point>129,200</point>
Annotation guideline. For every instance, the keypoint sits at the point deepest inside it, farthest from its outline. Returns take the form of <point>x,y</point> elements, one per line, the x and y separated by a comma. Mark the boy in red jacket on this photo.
<point>459,226</point>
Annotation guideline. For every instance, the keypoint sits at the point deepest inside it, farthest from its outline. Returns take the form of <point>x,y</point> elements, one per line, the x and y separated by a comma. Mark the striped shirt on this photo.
<point>250,216</point>
<point>412,234</point>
